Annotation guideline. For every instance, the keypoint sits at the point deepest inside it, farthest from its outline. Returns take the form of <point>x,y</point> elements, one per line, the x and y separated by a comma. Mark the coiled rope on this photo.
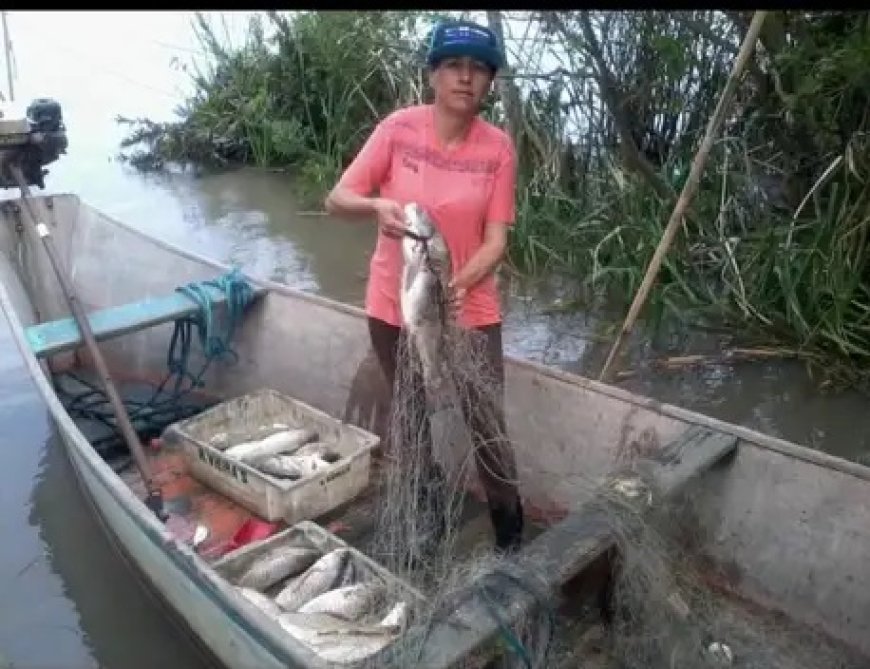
<point>215,336</point>
<point>214,344</point>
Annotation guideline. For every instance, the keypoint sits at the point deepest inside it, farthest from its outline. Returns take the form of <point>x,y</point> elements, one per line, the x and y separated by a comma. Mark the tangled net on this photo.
<point>422,533</point>
<point>663,610</point>
<point>659,611</point>
<point>431,460</point>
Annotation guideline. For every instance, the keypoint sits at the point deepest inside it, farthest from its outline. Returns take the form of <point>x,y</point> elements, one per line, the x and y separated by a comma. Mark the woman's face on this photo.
<point>461,84</point>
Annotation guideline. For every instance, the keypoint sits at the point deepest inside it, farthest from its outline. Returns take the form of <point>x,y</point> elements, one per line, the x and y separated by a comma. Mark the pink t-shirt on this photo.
<point>463,189</point>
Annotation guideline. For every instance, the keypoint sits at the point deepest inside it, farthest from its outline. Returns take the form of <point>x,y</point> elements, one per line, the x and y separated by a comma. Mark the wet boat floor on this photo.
<point>579,638</point>
<point>190,502</point>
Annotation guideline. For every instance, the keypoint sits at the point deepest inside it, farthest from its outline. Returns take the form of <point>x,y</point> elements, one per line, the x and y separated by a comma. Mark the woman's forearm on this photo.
<point>480,265</point>
<point>343,201</point>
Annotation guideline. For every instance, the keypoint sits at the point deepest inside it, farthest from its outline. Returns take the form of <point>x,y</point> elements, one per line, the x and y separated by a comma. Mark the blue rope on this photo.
<point>151,415</point>
<point>238,293</point>
<point>514,644</point>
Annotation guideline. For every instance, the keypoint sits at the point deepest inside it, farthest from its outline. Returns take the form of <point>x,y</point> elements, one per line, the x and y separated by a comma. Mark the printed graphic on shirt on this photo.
<point>410,152</point>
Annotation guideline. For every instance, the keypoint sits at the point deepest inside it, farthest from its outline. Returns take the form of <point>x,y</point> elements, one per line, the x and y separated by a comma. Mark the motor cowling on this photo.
<point>32,141</point>
<point>45,115</point>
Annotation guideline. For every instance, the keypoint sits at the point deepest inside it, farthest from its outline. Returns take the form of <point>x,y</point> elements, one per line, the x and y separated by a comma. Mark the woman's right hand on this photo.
<point>391,218</point>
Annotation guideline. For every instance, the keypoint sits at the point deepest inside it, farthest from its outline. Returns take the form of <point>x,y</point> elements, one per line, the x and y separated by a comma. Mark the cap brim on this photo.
<point>482,54</point>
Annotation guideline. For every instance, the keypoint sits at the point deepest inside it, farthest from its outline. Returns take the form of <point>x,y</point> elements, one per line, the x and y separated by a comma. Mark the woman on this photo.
<point>462,170</point>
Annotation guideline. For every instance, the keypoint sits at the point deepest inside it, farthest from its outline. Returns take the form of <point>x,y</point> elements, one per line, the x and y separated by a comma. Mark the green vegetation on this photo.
<point>607,109</point>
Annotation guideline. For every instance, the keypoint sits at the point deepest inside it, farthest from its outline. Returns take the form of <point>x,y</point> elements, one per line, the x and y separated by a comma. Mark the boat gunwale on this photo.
<point>746,434</point>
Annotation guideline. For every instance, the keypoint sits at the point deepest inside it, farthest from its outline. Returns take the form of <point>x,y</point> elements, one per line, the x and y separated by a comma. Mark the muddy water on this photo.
<point>67,599</point>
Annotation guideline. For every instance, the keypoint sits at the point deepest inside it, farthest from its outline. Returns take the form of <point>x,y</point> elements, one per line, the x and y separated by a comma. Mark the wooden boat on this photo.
<point>783,527</point>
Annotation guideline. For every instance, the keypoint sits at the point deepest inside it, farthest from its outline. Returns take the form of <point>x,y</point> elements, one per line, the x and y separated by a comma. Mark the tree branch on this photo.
<point>616,105</point>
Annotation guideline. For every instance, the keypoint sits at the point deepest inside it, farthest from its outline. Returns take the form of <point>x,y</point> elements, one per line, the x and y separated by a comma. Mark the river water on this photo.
<point>68,600</point>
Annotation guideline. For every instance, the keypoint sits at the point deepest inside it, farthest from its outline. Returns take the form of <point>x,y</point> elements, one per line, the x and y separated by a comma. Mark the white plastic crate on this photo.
<point>269,497</point>
<point>309,534</point>
<point>233,565</point>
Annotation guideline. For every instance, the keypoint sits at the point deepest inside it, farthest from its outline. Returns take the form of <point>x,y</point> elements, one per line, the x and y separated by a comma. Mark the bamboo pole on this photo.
<point>689,189</point>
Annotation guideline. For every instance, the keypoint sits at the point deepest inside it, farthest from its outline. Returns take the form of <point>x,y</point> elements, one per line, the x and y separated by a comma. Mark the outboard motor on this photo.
<point>31,141</point>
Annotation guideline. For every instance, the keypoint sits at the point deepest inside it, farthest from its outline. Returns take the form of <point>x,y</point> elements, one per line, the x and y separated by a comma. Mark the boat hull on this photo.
<point>233,636</point>
<point>783,525</point>
<point>209,625</point>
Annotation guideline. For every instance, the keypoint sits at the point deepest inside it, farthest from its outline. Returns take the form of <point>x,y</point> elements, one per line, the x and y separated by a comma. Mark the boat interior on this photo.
<point>148,305</point>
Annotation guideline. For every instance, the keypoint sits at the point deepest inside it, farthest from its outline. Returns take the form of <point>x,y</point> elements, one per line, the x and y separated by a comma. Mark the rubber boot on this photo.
<point>508,526</point>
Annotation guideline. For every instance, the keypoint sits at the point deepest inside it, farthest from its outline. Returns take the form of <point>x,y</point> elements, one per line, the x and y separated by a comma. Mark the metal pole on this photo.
<point>154,500</point>
<point>7,49</point>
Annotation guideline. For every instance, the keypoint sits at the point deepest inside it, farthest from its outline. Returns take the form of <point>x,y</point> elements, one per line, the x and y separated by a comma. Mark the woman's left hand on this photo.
<point>455,298</point>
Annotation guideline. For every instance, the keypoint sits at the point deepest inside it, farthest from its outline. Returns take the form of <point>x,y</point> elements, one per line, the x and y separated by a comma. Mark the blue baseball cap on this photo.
<point>464,38</point>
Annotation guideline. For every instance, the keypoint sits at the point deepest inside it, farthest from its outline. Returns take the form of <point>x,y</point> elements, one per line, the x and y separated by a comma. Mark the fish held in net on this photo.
<point>333,570</point>
<point>426,273</point>
<point>277,565</point>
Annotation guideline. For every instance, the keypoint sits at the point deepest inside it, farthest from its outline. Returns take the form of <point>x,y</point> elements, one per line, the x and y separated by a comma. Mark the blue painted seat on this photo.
<point>63,334</point>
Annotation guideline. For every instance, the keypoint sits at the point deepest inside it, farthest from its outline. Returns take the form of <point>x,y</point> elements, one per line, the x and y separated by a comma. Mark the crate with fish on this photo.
<point>324,592</point>
<point>275,455</point>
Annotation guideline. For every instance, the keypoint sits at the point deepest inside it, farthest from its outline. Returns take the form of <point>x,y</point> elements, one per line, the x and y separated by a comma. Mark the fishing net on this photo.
<point>658,609</point>
<point>664,611</point>
<point>431,462</point>
<point>425,522</point>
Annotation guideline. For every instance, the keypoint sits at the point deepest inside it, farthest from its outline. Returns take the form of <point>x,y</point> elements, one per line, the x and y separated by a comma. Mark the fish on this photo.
<point>219,440</point>
<point>426,273</point>
<point>397,616</point>
<point>268,430</point>
<point>277,565</point>
<point>321,449</point>
<point>285,441</point>
<point>336,640</point>
<point>281,466</point>
<point>291,466</point>
<point>348,603</point>
<point>222,440</point>
<point>261,601</point>
<point>333,570</point>
<point>720,653</point>
<point>309,464</point>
